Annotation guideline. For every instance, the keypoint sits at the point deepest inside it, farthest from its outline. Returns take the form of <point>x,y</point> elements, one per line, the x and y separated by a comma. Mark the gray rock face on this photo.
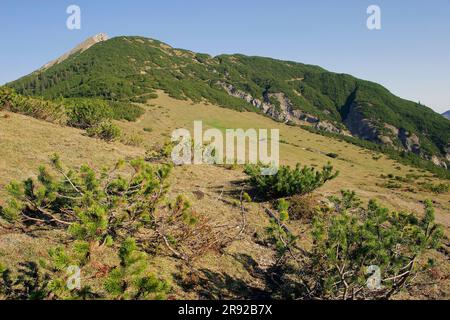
<point>410,141</point>
<point>355,122</point>
<point>360,126</point>
<point>285,112</point>
<point>363,128</point>
<point>438,162</point>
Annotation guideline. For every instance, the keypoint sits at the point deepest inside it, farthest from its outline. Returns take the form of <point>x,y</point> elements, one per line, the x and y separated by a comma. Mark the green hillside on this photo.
<point>132,68</point>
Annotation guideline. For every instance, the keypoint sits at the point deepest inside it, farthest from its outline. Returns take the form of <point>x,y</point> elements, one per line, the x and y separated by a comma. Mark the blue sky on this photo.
<point>410,55</point>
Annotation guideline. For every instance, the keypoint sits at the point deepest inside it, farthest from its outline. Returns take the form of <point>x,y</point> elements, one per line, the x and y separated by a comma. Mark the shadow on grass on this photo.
<point>212,285</point>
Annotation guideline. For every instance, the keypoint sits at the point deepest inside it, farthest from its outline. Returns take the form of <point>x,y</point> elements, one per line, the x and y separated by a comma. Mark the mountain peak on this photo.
<point>86,44</point>
<point>99,37</point>
<point>131,68</point>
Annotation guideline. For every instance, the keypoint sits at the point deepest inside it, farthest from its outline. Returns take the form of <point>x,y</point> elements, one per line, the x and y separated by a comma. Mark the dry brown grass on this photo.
<point>25,143</point>
<point>359,170</point>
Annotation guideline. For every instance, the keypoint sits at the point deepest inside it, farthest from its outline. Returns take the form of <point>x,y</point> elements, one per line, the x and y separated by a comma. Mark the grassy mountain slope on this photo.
<point>236,273</point>
<point>164,89</point>
<point>131,68</point>
<point>25,149</point>
<point>360,168</point>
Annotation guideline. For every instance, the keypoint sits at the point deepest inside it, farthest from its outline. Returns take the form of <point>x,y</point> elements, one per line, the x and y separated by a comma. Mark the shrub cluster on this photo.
<point>87,113</point>
<point>105,130</point>
<point>36,107</point>
<point>124,208</point>
<point>358,252</point>
<point>94,115</point>
<point>438,188</point>
<point>288,182</point>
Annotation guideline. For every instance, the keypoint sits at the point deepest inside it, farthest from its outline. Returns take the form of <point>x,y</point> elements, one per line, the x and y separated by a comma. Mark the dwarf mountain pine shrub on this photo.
<point>131,279</point>
<point>105,130</point>
<point>360,252</point>
<point>102,208</point>
<point>288,182</point>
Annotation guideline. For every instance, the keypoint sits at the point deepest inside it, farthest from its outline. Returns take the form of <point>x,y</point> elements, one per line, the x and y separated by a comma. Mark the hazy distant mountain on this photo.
<point>131,68</point>
<point>447,114</point>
